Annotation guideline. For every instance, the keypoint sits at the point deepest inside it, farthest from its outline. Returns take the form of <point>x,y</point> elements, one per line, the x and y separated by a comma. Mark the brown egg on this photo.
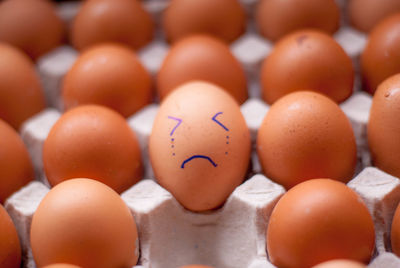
<point>340,264</point>
<point>381,56</point>
<point>365,14</point>
<point>31,25</point>
<point>317,221</point>
<point>305,135</point>
<point>200,145</point>
<point>16,169</point>
<point>61,265</point>
<point>307,60</point>
<point>93,142</point>
<point>202,58</point>
<point>276,18</point>
<point>21,94</point>
<point>85,223</point>
<point>109,75</point>
<point>395,232</point>
<point>225,19</point>
<point>122,21</point>
<point>384,126</point>
<point>10,249</point>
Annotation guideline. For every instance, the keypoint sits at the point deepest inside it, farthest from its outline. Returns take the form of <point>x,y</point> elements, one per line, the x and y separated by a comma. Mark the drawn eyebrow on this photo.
<point>219,123</point>
<point>177,125</point>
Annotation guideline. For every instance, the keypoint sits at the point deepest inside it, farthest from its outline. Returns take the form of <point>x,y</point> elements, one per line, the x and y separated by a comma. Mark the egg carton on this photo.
<point>231,236</point>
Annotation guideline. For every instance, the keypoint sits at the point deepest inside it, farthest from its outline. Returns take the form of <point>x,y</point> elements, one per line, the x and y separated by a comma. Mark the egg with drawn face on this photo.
<point>200,145</point>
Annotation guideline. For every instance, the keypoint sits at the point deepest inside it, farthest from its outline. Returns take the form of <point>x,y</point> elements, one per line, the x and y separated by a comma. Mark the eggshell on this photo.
<point>121,21</point>
<point>276,18</point>
<point>225,19</point>
<point>395,232</point>
<point>307,60</point>
<point>62,265</point>
<point>85,223</point>
<point>200,145</point>
<point>21,94</point>
<point>384,126</point>
<point>16,168</point>
<point>31,25</point>
<point>365,14</point>
<point>109,75</point>
<point>340,264</point>
<point>93,142</point>
<point>305,135</point>
<point>202,58</point>
<point>381,56</point>
<point>317,221</point>
<point>10,249</point>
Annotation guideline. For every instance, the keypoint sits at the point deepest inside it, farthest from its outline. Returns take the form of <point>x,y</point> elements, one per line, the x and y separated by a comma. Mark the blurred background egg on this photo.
<point>202,57</point>
<point>92,141</point>
<point>340,264</point>
<point>365,14</point>
<point>61,265</point>
<point>225,19</point>
<point>307,60</point>
<point>121,21</point>
<point>384,126</point>
<point>276,18</point>
<point>381,56</point>
<point>200,145</point>
<point>21,94</point>
<point>85,223</point>
<point>10,249</point>
<point>16,168</point>
<point>305,135</point>
<point>31,25</point>
<point>109,75</point>
<point>317,221</point>
<point>395,232</point>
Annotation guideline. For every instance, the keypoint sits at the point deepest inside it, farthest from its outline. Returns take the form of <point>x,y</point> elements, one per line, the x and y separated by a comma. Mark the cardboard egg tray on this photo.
<point>234,235</point>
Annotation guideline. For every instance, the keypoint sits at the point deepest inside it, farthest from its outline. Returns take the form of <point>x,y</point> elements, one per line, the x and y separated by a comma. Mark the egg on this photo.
<point>121,21</point>
<point>205,58</point>
<point>200,145</point>
<point>92,141</point>
<point>61,265</point>
<point>305,135</point>
<point>340,264</point>
<point>16,168</point>
<point>85,223</point>
<point>10,248</point>
<point>384,126</point>
<point>381,56</point>
<point>109,75</point>
<point>32,26</point>
<point>365,14</point>
<point>224,19</point>
<point>277,18</point>
<point>317,221</point>
<point>395,232</point>
<point>307,60</point>
<point>21,94</point>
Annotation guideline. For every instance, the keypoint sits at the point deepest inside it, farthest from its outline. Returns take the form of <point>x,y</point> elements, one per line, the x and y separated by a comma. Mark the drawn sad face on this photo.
<point>200,145</point>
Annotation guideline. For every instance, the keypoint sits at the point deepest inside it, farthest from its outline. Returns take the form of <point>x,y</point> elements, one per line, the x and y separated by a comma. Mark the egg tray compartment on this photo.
<point>234,235</point>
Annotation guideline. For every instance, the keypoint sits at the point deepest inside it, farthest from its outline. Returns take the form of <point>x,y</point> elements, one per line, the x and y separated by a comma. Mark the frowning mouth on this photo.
<point>198,156</point>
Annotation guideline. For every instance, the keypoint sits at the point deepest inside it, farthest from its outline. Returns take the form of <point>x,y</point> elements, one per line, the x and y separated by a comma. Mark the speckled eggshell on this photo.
<point>317,221</point>
<point>276,18</point>
<point>365,14</point>
<point>225,19</point>
<point>381,56</point>
<point>85,223</point>
<point>121,21</point>
<point>202,57</point>
<point>307,60</point>
<point>200,145</point>
<point>384,126</point>
<point>305,135</point>
<point>109,75</point>
<point>340,264</point>
<point>10,248</point>
<point>31,25</point>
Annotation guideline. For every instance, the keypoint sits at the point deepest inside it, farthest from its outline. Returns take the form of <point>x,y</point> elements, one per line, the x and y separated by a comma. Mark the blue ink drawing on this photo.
<point>219,123</point>
<point>198,156</point>
<point>177,125</point>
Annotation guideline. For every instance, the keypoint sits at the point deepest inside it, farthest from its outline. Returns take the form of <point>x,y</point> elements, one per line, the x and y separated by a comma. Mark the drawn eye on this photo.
<point>219,123</point>
<point>177,125</point>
